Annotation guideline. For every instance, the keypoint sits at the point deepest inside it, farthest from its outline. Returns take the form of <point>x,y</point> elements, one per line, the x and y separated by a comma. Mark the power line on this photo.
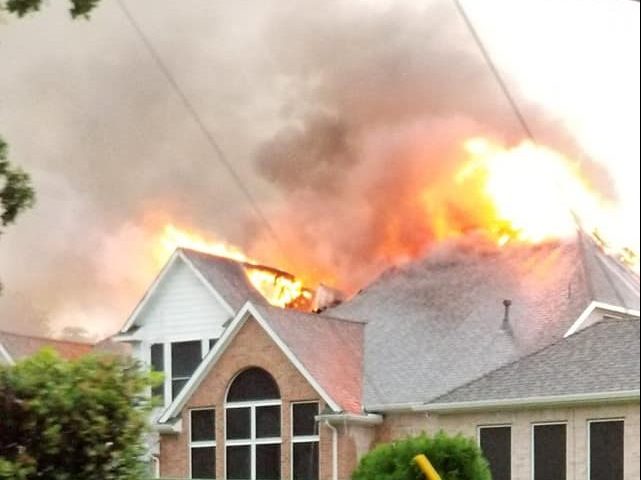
<point>494,70</point>
<point>219,154</point>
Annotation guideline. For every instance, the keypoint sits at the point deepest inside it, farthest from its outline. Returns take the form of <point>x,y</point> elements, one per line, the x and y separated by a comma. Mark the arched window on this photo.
<point>253,384</point>
<point>253,427</point>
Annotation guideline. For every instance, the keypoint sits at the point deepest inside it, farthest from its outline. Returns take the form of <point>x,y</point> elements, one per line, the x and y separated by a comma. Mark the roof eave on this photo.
<point>531,402</point>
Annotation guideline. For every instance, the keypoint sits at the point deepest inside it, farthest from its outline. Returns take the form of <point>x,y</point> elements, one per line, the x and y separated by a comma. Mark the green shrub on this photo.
<point>454,458</point>
<point>73,420</point>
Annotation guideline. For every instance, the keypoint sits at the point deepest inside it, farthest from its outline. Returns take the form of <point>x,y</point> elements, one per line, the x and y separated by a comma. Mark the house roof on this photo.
<point>21,346</point>
<point>327,351</point>
<point>226,276</point>
<point>601,358</point>
<point>331,350</point>
<point>436,324</point>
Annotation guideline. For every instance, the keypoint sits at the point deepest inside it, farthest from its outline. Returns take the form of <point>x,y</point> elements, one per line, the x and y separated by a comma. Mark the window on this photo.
<point>202,443</point>
<point>158,365</point>
<point>605,450</point>
<point>253,427</point>
<point>212,342</point>
<point>185,357</point>
<point>495,443</point>
<point>548,451</point>
<point>305,441</point>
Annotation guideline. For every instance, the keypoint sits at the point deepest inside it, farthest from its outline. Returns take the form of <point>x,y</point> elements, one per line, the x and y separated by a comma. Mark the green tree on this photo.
<point>79,8</point>
<point>453,457</point>
<point>16,193</point>
<point>73,420</point>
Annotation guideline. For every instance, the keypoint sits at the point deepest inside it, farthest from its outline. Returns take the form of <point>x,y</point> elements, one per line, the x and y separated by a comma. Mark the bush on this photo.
<point>454,458</point>
<point>73,420</point>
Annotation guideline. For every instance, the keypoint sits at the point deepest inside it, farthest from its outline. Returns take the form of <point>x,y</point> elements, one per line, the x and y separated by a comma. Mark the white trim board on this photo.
<point>576,326</point>
<point>247,311</point>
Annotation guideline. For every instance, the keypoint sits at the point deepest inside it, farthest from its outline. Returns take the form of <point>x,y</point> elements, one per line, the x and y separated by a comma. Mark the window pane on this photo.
<point>238,463</point>
<point>158,365</point>
<point>238,423</point>
<point>304,422</point>
<point>203,425</point>
<point>606,450</point>
<point>495,444</point>
<point>212,342</point>
<point>267,462</point>
<point>185,357</point>
<point>203,462</point>
<point>253,384</point>
<point>268,421</point>
<point>549,452</point>
<point>177,386</point>
<point>306,461</point>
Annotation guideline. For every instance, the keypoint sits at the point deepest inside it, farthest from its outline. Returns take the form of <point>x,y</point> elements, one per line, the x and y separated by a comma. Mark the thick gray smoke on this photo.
<point>334,114</point>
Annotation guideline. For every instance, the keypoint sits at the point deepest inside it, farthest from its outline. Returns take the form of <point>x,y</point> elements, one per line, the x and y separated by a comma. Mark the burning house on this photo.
<point>531,348</point>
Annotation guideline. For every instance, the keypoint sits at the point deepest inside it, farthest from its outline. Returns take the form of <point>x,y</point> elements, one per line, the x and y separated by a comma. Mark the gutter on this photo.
<point>394,407</point>
<point>168,428</point>
<point>343,418</point>
<point>552,400</point>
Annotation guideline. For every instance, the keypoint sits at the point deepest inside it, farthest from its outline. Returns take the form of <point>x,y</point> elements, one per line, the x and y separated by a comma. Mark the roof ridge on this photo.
<point>531,354</point>
<point>314,314</point>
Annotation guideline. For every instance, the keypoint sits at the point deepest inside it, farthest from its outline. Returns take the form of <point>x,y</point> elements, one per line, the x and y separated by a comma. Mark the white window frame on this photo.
<point>588,438</point>
<point>202,443</point>
<point>541,424</point>
<point>252,442</point>
<point>302,438</point>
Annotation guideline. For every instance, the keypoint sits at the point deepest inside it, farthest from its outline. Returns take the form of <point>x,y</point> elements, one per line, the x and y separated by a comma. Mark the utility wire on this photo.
<point>219,154</point>
<point>497,75</point>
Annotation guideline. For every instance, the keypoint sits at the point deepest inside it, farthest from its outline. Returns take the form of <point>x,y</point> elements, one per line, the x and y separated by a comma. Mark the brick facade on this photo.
<point>403,424</point>
<point>252,347</point>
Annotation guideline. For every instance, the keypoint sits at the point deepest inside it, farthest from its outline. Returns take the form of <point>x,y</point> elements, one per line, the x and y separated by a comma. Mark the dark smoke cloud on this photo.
<point>334,114</point>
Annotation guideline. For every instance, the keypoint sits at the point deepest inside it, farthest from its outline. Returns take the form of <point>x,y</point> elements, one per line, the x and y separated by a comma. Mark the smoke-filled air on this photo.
<point>365,132</point>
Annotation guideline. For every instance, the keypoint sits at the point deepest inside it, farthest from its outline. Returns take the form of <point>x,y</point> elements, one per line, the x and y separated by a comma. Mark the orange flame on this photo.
<point>279,288</point>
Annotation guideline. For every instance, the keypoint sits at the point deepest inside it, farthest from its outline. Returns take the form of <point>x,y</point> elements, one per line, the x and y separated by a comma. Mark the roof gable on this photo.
<point>176,261</point>
<point>334,396</point>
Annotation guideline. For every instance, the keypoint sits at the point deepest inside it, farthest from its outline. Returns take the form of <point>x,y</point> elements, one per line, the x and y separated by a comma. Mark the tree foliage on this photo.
<point>73,420</point>
<point>16,192</point>
<point>455,458</point>
<point>79,8</point>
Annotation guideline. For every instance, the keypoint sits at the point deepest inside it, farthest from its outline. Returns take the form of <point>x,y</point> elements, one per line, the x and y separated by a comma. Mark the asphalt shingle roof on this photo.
<point>226,276</point>
<point>330,349</point>
<point>436,324</point>
<point>601,358</point>
<point>22,346</point>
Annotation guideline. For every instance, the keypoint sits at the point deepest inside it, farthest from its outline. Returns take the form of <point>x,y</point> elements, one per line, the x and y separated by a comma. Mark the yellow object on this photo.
<point>426,467</point>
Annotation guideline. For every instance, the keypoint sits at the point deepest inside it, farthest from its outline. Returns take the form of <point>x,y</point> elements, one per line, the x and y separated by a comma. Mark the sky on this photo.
<point>310,103</point>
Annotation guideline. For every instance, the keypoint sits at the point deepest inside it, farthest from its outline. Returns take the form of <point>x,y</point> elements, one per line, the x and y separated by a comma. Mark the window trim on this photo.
<point>303,438</point>
<point>497,425</point>
<point>201,443</point>
<point>252,442</point>
<point>588,439</point>
<point>541,424</point>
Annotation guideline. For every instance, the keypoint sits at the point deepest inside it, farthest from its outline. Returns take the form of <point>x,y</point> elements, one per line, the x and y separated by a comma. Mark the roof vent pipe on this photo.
<point>506,318</point>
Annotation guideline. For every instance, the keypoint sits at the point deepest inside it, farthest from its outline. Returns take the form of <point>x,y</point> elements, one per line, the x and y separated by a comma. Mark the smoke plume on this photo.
<point>344,120</point>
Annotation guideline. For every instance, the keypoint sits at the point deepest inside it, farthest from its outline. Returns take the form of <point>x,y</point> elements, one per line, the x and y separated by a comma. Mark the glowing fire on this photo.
<point>536,194</point>
<point>279,288</point>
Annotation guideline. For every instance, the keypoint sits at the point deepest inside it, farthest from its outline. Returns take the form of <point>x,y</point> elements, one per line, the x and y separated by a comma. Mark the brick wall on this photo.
<point>252,347</point>
<point>403,424</point>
